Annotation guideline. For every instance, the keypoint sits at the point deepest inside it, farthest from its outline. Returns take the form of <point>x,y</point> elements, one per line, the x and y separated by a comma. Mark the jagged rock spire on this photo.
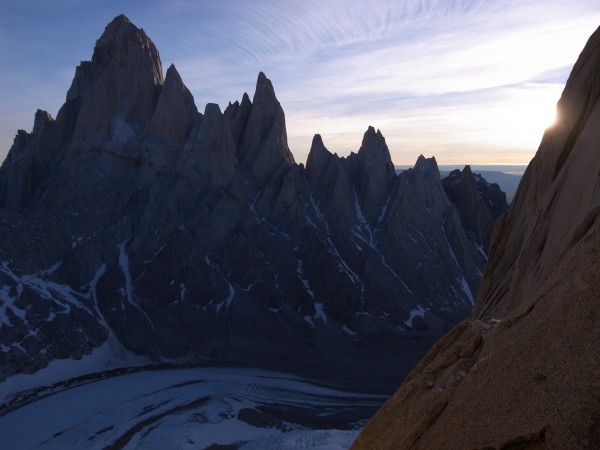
<point>318,157</point>
<point>375,169</point>
<point>264,95</point>
<point>175,112</point>
<point>115,43</point>
<point>426,164</point>
<point>264,147</point>
<point>120,83</point>
<point>237,115</point>
<point>374,147</point>
<point>478,203</point>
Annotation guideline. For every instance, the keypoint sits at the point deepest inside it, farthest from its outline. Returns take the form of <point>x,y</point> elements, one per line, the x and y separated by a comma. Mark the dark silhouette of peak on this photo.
<point>173,71</point>
<point>119,20</point>
<point>117,27</point>
<point>317,140</point>
<point>175,113</point>
<point>173,80</point>
<point>374,147</point>
<point>124,79</point>
<point>264,149</point>
<point>264,93</point>
<point>121,34</point>
<point>237,114</point>
<point>426,165</point>
<point>318,158</point>
<point>318,150</point>
<point>116,33</point>
<point>370,133</point>
<point>478,202</point>
<point>41,119</point>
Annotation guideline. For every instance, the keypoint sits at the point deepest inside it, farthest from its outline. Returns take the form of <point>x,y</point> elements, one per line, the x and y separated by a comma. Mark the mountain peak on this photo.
<point>121,33</point>
<point>375,170</point>
<point>373,138</point>
<point>41,118</point>
<point>122,80</point>
<point>264,146</point>
<point>172,76</point>
<point>425,163</point>
<point>479,204</point>
<point>318,156</point>
<point>175,112</point>
<point>264,93</point>
<point>118,21</point>
<point>373,148</point>
<point>117,31</point>
<point>117,27</point>
<point>317,144</point>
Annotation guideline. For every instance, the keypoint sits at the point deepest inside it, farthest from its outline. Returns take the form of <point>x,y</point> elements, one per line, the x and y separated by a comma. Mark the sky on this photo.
<point>465,81</point>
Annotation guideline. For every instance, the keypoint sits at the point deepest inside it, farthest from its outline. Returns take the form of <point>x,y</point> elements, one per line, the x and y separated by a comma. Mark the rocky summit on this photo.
<point>479,203</point>
<point>133,218</point>
<point>522,371</point>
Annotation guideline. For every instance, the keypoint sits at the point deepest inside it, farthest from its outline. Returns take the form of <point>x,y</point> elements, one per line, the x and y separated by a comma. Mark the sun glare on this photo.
<point>529,118</point>
<point>548,116</point>
<point>513,120</point>
<point>518,119</point>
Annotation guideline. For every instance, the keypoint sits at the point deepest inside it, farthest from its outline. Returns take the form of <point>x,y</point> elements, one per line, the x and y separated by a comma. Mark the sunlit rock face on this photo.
<point>522,372</point>
<point>191,235</point>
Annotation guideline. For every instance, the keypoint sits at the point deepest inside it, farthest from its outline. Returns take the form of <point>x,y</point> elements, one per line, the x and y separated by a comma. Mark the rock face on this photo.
<point>522,372</point>
<point>188,236</point>
<point>478,202</point>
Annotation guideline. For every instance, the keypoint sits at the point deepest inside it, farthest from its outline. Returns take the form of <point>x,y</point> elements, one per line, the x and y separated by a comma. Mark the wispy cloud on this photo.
<point>340,66</point>
<point>436,76</point>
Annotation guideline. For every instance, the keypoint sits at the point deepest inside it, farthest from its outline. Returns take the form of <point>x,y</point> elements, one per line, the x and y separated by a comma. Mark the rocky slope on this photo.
<point>188,235</point>
<point>522,372</point>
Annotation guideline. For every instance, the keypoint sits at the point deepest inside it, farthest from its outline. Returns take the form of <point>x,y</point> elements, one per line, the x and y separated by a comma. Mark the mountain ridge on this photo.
<point>187,235</point>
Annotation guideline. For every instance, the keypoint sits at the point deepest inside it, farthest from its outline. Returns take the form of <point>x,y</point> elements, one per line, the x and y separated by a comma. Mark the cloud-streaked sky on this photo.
<point>466,81</point>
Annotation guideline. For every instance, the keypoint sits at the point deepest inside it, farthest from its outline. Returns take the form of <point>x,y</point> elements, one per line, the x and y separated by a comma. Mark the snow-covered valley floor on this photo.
<point>195,408</point>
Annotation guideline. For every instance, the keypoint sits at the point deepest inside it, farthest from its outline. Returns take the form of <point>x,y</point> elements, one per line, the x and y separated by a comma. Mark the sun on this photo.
<point>533,117</point>
<point>548,117</point>
<point>519,118</point>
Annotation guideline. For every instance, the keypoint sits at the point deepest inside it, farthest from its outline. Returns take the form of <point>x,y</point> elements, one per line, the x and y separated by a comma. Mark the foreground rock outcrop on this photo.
<point>185,235</point>
<point>522,372</point>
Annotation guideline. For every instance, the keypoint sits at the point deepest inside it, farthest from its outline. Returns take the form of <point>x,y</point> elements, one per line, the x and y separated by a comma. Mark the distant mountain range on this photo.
<point>132,218</point>
<point>507,177</point>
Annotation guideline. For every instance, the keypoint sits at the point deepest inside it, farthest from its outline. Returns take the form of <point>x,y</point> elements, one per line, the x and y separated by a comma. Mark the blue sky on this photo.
<point>465,81</point>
